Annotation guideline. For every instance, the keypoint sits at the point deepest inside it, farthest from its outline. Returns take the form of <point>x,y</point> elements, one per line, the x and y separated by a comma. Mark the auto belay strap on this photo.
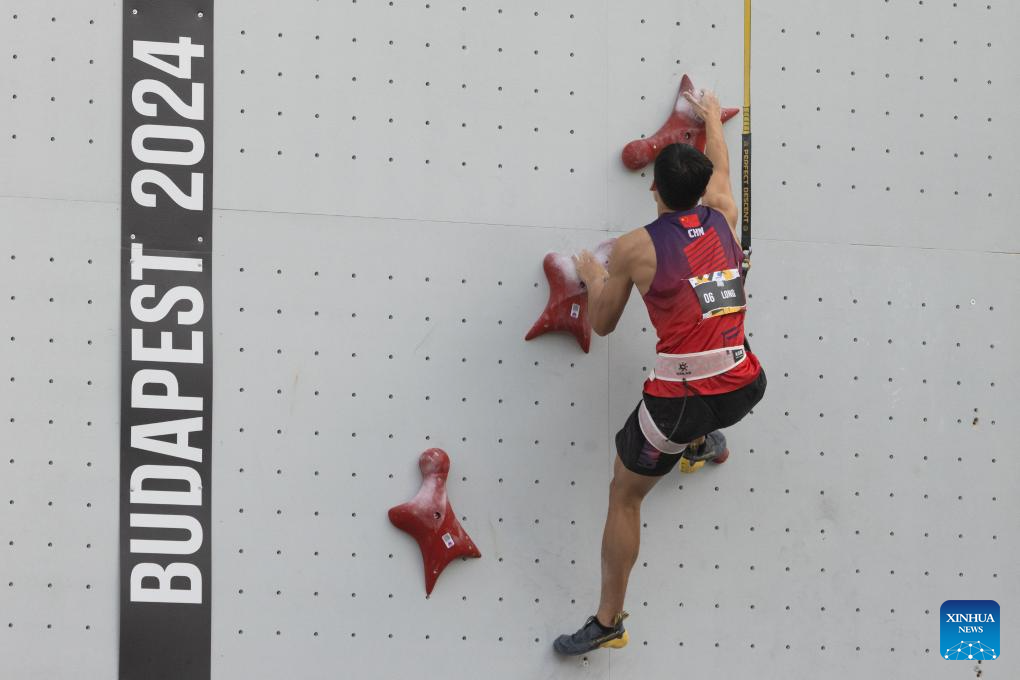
<point>745,150</point>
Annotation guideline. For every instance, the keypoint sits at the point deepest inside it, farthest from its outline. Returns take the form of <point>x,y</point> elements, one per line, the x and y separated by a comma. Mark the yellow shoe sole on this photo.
<point>618,643</point>
<point>688,467</point>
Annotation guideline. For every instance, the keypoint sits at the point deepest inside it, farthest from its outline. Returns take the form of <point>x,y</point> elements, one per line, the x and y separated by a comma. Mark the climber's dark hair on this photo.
<point>681,175</point>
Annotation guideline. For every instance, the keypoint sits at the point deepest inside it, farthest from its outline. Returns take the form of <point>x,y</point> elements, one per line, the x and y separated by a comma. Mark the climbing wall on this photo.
<point>388,177</point>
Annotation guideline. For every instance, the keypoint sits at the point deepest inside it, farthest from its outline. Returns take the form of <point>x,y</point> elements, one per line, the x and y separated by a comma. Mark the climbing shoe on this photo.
<point>594,635</point>
<point>712,449</point>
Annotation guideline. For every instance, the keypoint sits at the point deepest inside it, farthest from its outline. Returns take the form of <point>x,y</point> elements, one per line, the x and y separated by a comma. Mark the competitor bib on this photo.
<point>719,293</point>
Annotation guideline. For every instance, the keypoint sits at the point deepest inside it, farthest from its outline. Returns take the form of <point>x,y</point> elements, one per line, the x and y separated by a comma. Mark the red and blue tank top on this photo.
<point>689,244</point>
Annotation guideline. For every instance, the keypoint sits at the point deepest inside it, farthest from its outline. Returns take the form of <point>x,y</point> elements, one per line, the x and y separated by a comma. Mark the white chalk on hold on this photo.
<point>565,264</point>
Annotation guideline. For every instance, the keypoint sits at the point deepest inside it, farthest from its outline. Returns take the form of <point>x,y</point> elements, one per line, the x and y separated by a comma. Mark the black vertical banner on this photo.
<point>166,340</point>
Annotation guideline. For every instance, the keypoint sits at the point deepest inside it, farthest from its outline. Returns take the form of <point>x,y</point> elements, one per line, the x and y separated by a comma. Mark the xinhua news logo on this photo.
<point>969,630</point>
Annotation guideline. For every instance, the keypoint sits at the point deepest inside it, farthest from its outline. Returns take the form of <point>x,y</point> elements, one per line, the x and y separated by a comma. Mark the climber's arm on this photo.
<point>608,290</point>
<point>718,194</point>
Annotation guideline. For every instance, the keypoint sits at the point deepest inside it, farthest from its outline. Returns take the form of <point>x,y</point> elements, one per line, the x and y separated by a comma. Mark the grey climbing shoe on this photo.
<point>712,449</point>
<point>593,636</point>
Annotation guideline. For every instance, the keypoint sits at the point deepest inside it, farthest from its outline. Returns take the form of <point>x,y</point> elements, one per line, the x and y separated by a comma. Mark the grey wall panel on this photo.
<point>840,499</point>
<point>492,113</point>
<point>364,343</point>
<point>60,104</point>
<point>882,123</point>
<point>58,488</point>
<point>866,485</point>
<point>649,50</point>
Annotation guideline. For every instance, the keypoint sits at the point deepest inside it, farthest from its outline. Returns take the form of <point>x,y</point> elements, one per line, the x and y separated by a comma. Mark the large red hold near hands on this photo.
<point>430,519</point>
<point>567,308</point>
<point>683,127</point>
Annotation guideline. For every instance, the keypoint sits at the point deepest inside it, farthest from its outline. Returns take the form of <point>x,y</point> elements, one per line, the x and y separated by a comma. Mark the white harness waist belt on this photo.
<point>697,366</point>
<point>654,435</point>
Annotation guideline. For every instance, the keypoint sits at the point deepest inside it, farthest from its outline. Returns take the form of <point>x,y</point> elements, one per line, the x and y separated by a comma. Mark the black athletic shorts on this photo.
<point>697,417</point>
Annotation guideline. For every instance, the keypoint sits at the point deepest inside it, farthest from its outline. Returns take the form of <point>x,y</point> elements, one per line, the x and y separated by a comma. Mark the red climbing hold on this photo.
<point>567,308</point>
<point>683,126</point>
<point>430,519</point>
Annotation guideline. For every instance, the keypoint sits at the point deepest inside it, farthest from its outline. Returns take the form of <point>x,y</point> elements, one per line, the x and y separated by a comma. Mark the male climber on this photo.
<point>687,267</point>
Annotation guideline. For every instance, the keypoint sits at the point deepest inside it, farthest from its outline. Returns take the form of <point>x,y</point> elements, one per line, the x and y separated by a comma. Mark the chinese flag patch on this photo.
<point>690,221</point>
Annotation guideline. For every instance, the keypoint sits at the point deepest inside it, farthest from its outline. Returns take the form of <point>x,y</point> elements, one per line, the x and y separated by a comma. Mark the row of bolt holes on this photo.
<point>821,492</point>
<point>857,532</point>
<point>536,403</point>
<point>390,159</point>
<point>49,626</point>
<point>500,11</point>
<point>573,522</point>
<point>500,638</point>
<point>924,419</point>
<point>535,284</point>
<point>390,277</point>
<point>463,281</point>
<point>88,546</point>
<point>888,151</point>
<point>427,83</point>
<point>888,75</point>
<point>956,192</point>
<point>429,122</point>
<point>537,442</point>
<point>536,14</point>
<point>751,567</point>
<point>680,643</point>
<point>786,452</point>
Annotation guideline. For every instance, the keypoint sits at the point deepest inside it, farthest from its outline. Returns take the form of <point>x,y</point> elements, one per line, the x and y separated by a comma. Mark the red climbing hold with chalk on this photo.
<point>683,127</point>
<point>429,518</point>
<point>567,308</point>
